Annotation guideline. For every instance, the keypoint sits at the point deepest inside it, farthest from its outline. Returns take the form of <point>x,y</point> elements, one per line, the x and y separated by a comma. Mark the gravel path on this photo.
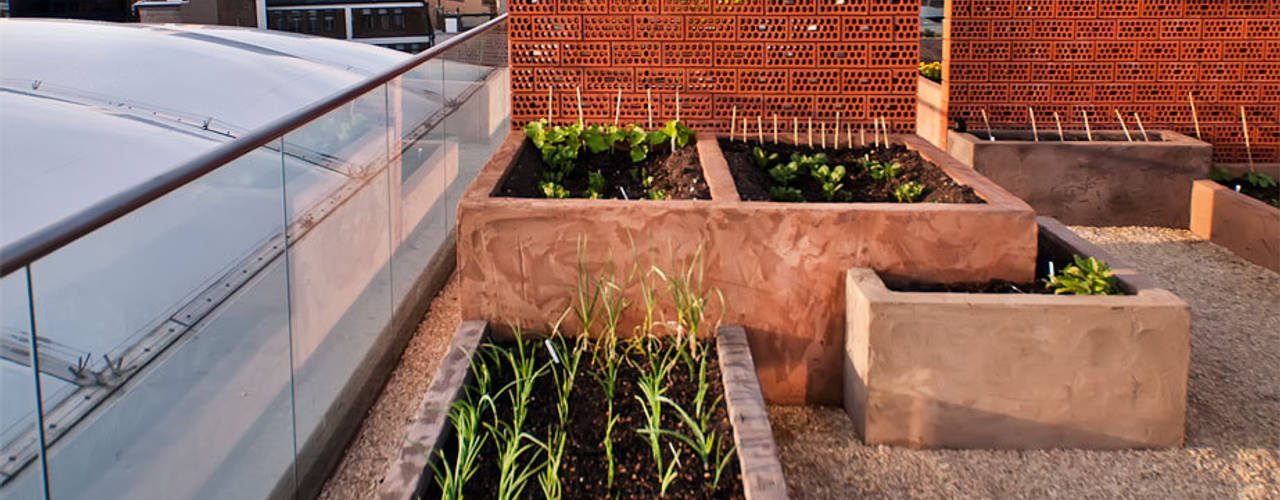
<point>368,456</point>
<point>1233,414</point>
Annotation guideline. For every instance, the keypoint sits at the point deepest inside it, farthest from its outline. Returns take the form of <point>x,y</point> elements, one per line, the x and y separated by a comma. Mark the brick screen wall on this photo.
<point>796,58</point>
<point>1141,56</point>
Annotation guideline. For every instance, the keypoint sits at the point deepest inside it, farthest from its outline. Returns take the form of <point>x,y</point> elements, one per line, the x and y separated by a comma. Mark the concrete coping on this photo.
<point>1220,190</point>
<point>1143,290</point>
<point>762,477</point>
<point>1103,137</point>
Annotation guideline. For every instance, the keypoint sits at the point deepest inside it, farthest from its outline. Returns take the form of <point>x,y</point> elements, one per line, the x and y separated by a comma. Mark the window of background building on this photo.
<point>367,14</point>
<point>329,21</point>
<point>397,18</point>
<point>384,19</point>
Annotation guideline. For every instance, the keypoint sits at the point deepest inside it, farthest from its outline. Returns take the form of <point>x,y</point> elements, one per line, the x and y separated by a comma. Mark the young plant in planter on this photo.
<point>1086,276</point>
<point>1259,185</point>
<point>931,70</point>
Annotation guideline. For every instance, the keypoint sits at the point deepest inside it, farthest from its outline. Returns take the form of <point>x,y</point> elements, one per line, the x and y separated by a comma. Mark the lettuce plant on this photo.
<point>1086,276</point>
<point>761,158</point>
<point>831,179</point>
<point>782,193</point>
<point>879,170</point>
<point>908,192</point>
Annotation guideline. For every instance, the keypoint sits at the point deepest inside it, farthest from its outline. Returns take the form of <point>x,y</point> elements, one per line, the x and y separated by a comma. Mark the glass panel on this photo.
<point>21,473</point>
<point>478,86</point>
<point>339,260</point>
<point>426,164</point>
<point>171,329</point>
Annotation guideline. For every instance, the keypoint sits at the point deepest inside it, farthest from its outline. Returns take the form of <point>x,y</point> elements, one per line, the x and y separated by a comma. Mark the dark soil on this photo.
<point>679,174</point>
<point>1049,134</point>
<point>583,473</point>
<point>754,182</point>
<point>1270,196</point>
<point>1048,251</point>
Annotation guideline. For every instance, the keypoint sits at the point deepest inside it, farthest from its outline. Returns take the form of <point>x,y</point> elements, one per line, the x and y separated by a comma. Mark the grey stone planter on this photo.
<point>1106,182</point>
<point>757,454</point>
<point>1021,371</point>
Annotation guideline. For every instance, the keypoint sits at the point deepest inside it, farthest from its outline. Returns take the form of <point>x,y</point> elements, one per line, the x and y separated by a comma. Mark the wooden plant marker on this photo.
<point>580,121</point>
<point>795,130</point>
<point>884,122</point>
<point>990,135</point>
<point>733,122</point>
<point>550,99</point>
<point>810,132</point>
<point>849,129</point>
<point>1248,145</point>
<point>1194,117</point>
<point>760,129</point>
<point>648,97</point>
<point>617,108</point>
<point>1087,131</point>
<point>837,130</point>
<point>1124,126</point>
<point>862,136</point>
<point>1035,133</point>
<point>1058,119</point>
<point>1141,128</point>
<point>822,134</point>
<point>775,128</point>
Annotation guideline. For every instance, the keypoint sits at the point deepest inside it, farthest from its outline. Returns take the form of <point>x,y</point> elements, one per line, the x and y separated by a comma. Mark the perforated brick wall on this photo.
<point>807,59</point>
<point>1135,56</point>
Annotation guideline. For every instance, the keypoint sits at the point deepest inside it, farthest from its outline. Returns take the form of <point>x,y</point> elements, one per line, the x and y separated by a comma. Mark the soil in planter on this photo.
<point>754,183</point>
<point>1048,251</point>
<point>678,174</point>
<point>1270,196</point>
<point>583,470</point>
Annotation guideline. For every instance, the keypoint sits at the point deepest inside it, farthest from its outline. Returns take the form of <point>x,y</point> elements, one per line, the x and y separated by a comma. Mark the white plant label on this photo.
<point>551,349</point>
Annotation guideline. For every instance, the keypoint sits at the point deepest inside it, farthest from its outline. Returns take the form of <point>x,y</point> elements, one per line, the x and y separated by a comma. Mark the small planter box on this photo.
<point>779,265</point>
<point>931,112</point>
<point>960,370</point>
<point>1106,182</point>
<point>1242,224</point>
<point>410,474</point>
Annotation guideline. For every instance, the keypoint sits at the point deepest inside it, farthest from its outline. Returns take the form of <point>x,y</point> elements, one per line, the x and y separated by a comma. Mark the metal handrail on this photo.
<point>48,239</point>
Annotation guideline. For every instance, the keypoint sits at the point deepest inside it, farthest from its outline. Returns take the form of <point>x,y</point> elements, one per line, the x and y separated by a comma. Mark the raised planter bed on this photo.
<point>756,470</point>
<point>779,265</point>
<point>1105,182</point>
<point>931,112</point>
<point>1014,370</point>
<point>1243,224</point>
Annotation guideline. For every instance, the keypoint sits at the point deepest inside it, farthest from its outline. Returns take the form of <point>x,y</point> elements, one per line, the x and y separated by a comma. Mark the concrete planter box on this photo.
<point>1242,224</point>
<point>1110,182</point>
<point>931,112</point>
<point>960,370</point>
<point>409,475</point>
<point>779,265</point>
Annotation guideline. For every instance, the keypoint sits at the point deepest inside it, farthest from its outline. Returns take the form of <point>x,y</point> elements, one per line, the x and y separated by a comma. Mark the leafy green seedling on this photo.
<point>658,194</point>
<point>831,179</point>
<point>908,192</point>
<point>881,171</point>
<point>781,193</point>
<point>1087,276</point>
<point>553,190</point>
<point>785,173</point>
<point>682,134</point>
<point>1221,174</point>
<point>761,158</point>
<point>595,185</point>
<point>1260,180</point>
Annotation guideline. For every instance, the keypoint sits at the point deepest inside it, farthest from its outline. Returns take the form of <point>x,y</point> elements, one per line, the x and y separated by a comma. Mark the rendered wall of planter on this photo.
<point>1107,182</point>
<point>779,265</point>
<point>795,58</point>
<point>1242,224</point>
<point>1135,56</point>
<point>959,370</point>
<point>409,475</point>
<point>931,112</point>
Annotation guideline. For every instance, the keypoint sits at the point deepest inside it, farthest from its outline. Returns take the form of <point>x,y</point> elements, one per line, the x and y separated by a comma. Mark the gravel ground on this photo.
<point>1233,414</point>
<point>369,455</point>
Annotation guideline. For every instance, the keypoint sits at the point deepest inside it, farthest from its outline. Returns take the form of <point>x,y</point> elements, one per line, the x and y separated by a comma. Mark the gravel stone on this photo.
<point>1233,409</point>
<point>378,440</point>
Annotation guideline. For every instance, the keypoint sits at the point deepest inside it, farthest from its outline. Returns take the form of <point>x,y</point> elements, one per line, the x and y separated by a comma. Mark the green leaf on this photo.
<point>536,132</point>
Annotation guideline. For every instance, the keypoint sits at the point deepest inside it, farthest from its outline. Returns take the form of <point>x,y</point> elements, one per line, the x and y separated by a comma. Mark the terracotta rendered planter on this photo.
<point>961,370</point>
<point>931,112</point>
<point>1242,224</point>
<point>1106,182</point>
<point>410,474</point>
<point>778,265</point>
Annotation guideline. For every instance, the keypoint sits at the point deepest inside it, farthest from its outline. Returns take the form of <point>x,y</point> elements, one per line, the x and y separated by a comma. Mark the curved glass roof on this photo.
<point>121,103</point>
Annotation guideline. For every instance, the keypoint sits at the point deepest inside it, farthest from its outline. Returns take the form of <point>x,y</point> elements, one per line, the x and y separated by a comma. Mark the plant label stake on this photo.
<point>1035,133</point>
<point>1248,146</point>
<point>648,98</point>
<point>673,137</point>
<point>1058,119</point>
<point>862,136</point>
<point>624,193</point>
<point>580,121</point>
<point>884,122</point>
<point>822,133</point>
<point>1051,269</point>
<point>811,132</point>
<point>617,108</point>
<point>744,129</point>
<point>849,129</point>
<point>775,128</point>
<point>551,99</point>
<point>733,122</point>
<point>760,129</point>
<point>837,130</point>
<point>795,130</point>
<point>990,136</point>
<point>1194,117</point>
<point>1123,126</point>
<point>1138,119</point>
<point>1087,131</point>
<point>554,357</point>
